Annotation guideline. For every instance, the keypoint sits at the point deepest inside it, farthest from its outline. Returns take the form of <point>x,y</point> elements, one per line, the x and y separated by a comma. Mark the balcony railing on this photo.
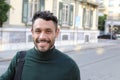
<point>101,7</point>
<point>89,2</point>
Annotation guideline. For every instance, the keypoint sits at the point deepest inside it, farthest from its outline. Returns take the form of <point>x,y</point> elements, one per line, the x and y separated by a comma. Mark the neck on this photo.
<point>45,51</point>
<point>45,55</point>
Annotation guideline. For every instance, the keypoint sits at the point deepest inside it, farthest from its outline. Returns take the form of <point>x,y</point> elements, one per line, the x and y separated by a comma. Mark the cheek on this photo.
<point>56,33</point>
<point>34,36</point>
<point>53,37</point>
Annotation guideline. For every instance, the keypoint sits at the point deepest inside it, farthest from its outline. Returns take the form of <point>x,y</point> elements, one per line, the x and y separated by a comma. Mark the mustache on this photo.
<point>38,41</point>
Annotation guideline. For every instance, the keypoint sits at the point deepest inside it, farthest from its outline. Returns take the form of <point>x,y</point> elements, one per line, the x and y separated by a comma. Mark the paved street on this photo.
<point>100,63</point>
<point>8,54</point>
<point>3,66</point>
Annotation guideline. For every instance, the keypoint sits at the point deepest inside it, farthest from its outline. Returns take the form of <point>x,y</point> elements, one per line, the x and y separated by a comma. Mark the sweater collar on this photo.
<point>45,55</point>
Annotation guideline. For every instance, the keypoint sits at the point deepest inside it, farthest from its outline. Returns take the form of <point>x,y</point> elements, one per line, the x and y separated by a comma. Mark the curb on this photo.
<point>4,60</point>
<point>84,48</point>
<point>69,50</point>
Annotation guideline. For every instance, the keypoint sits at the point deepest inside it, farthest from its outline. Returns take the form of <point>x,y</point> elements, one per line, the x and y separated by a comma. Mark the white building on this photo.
<point>112,9</point>
<point>78,20</point>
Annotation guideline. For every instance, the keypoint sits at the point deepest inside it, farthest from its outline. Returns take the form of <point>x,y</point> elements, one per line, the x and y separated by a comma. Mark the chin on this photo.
<point>43,49</point>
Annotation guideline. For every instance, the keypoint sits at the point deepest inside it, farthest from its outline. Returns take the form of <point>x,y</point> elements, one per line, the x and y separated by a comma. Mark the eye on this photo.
<point>48,31</point>
<point>37,31</point>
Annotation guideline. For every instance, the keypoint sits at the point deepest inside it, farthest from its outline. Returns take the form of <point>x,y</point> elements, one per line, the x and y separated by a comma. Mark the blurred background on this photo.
<point>89,33</point>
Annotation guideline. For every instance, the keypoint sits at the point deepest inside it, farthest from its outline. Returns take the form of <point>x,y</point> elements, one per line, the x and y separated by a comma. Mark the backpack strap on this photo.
<point>19,67</point>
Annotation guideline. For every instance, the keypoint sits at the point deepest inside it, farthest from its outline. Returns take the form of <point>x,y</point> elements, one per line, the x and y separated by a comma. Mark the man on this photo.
<point>44,61</point>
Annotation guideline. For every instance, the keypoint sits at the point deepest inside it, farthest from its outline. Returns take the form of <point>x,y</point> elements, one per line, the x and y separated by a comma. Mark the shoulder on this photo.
<point>68,62</point>
<point>9,74</point>
<point>24,52</point>
<point>65,58</point>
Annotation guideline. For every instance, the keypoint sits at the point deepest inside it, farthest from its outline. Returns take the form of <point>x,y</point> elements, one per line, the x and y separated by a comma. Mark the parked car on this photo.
<point>107,36</point>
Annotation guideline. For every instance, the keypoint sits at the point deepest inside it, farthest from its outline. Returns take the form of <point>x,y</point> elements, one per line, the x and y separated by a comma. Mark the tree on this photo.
<point>4,8</point>
<point>101,22</point>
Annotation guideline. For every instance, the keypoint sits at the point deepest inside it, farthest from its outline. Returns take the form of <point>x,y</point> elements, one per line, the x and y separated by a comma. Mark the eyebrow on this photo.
<point>44,29</point>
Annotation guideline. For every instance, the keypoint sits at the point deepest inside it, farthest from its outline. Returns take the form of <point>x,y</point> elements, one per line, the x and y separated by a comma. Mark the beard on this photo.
<point>44,48</point>
<point>43,40</point>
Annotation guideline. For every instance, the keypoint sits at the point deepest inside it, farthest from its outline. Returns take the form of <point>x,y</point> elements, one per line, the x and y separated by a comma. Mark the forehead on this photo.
<point>41,23</point>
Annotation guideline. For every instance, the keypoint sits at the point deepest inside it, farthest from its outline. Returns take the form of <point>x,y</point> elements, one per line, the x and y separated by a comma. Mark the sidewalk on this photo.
<point>8,55</point>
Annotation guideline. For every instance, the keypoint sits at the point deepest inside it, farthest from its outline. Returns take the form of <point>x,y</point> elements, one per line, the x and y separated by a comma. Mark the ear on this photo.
<point>32,31</point>
<point>57,32</point>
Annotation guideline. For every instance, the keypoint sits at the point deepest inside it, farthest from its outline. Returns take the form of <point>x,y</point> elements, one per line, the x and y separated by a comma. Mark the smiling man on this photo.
<point>44,33</point>
<point>44,61</point>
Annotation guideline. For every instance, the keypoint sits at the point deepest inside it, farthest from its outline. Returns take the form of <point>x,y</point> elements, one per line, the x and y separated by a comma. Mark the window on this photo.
<point>118,3</point>
<point>111,2</point>
<point>84,17</point>
<point>91,18</point>
<point>65,14</point>
<point>87,18</point>
<point>119,16</point>
<point>110,15</point>
<point>25,11</point>
<point>110,12</point>
<point>30,7</point>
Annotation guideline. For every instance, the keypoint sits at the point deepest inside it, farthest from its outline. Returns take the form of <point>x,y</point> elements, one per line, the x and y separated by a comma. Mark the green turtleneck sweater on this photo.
<point>50,65</point>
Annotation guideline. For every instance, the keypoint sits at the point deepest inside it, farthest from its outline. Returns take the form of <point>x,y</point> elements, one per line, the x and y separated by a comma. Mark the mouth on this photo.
<point>42,41</point>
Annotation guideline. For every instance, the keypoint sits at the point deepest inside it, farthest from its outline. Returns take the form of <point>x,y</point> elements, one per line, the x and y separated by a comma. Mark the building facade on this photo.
<point>78,19</point>
<point>112,9</point>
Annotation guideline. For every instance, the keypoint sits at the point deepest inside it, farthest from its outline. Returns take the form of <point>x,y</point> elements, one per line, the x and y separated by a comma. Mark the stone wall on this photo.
<point>15,38</point>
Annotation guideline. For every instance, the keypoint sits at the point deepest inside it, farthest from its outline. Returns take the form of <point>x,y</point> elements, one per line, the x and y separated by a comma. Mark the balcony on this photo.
<point>101,7</point>
<point>114,17</point>
<point>89,2</point>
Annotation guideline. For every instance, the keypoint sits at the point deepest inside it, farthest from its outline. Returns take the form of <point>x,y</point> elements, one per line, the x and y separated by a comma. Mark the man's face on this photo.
<point>44,34</point>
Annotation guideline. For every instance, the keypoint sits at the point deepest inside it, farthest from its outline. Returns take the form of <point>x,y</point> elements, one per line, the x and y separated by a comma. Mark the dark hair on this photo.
<point>46,15</point>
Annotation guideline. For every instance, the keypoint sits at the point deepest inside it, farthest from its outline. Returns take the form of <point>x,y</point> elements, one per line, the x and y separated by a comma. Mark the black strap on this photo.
<point>19,67</point>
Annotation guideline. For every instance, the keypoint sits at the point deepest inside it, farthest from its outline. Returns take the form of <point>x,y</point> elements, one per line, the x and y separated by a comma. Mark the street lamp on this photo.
<point>111,28</point>
<point>0,33</point>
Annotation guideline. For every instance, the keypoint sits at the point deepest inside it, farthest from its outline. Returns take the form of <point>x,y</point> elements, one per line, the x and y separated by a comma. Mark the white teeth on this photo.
<point>42,41</point>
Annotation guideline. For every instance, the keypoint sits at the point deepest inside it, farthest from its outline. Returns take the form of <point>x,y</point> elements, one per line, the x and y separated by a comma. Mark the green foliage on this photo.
<point>101,22</point>
<point>4,8</point>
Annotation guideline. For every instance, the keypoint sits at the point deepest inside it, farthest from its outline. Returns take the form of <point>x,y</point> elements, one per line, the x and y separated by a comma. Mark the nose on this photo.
<point>42,35</point>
